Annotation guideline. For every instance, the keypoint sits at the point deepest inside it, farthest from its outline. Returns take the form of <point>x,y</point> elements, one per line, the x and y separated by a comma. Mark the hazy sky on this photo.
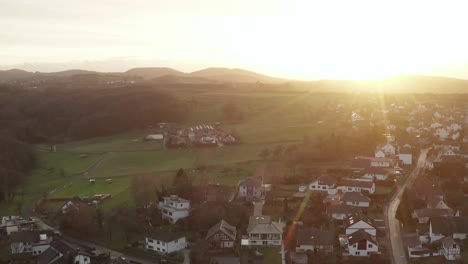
<point>301,39</point>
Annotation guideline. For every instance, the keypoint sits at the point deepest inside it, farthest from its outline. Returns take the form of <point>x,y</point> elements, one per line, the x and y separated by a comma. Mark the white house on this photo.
<point>351,185</point>
<point>76,203</point>
<point>406,156</point>
<point>451,249</point>
<point>358,222</point>
<point>165,242</point>
<point>355,199</point>
<point>361,243</point>
<point>442,133</point>
<point>325,183</point>
<point>455,127</point>
<point>388,149</point>
<point>262,231</point>
<point>437,202</point>
<point>250,189</point>
<point>435,125</point>
<point>174,208</point>
<point>34,242</point>
<point>376,173</point>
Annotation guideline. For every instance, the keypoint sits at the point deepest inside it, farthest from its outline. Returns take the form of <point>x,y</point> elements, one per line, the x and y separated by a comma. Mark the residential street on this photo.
<point>394,227</point>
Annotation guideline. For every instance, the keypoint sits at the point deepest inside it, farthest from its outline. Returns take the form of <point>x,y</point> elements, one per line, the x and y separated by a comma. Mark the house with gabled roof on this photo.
<point>63,252</point>
<point>436,202</point>
<point>405,155</point>
<point>263,231</point>
<point>250,188</point>
<point>314,240</point>
<point>361,243</point>
<point>423,215</point>
<point>451,249</point>
<point>76,203</point>
<point>33,242</point>
<point>358,222</point>
<point>416,248</point>
<point>222,235</point>
<point>165,241</point>
<point>325,183</point>
<point>453,226</point>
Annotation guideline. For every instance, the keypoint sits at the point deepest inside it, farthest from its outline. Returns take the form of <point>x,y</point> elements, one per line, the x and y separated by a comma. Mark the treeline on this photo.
<point>55,115</point>
<point>16,160</point>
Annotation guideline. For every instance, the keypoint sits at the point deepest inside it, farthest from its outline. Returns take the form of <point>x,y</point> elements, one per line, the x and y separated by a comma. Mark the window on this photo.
<point>157,242</point>
<point>324,187</point>
<point>313,186</point>
<point>150,240</point>
<point>158,249</point>
<point>151,247</point>
<point>358,253</point>
<point>85,259</point>
<point>164,250</point>
<point>370,246</point>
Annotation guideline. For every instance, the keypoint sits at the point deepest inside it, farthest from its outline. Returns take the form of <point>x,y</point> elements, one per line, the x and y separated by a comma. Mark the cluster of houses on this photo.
<point>198,136</point>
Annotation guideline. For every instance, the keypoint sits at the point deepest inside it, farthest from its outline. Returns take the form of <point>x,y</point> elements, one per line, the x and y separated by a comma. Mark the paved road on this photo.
<point>394,227</point>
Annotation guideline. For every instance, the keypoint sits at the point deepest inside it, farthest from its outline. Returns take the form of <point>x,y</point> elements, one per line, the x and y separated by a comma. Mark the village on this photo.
<point>334,216</point>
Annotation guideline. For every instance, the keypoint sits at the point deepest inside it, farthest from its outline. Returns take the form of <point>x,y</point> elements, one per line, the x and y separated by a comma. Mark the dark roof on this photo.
<point>351,220</point>
<point>249,182</point>
<point>47,256</point>
<point>343,209</point>
<point>356,183</point>
<point>67,250</point>
<point>360,163</point>
<point>448,225</point>
<point>413,241</point>
<point>354,197</point>
<point>164,235</point>
<point>314,236</point>
<point>359,236</point>
<point>224,227</point>
<point>32,236</point>
<point>375,170</point>
<point>428,212</point>
<point>327,180</point>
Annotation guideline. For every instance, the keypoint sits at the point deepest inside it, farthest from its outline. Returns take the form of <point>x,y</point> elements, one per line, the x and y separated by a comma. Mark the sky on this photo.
<point>297,39</point>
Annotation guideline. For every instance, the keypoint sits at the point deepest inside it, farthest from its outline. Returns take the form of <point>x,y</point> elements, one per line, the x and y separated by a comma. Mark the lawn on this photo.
<point>271,254</point>
<point>84,188</point>
<point>383,189</point>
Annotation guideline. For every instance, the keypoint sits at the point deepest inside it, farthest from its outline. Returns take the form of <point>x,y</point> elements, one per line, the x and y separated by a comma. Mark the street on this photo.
<point>394,227</point>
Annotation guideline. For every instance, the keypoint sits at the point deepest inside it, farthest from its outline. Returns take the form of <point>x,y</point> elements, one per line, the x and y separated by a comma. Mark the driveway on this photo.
<point>394,226</point>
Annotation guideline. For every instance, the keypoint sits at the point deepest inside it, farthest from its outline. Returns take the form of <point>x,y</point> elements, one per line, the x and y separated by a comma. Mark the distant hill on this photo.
<point>14,74</point>
<point>234,75</point>
<point>153,72</point>
<point>182,79</point>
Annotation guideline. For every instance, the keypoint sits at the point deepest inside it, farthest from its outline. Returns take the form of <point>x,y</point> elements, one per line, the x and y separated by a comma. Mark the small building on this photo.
<point>416,249</point>
<point>62,252</point>
<point>250,189</point>
<point>406,156</point>
<point>263,231</point>
<point>222,235</point>
<point>453,226</point>
<point>355,199</point>
<point>381,162</point>
<point>165,242</point>
<point>15,223</point>
<point>423,215</point>
<point>314,240</point>
<point>361,243</point>
<point>174,208</point>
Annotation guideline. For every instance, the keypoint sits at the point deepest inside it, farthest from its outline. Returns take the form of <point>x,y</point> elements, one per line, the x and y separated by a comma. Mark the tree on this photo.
<point>143,190</point>
<point>182,184</point>
<point>264,153</point>
<point>99,219</point>
<point>232,112</point>
<point>198,251</point>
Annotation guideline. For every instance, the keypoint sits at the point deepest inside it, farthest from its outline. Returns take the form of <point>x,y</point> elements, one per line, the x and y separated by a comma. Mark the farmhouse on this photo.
<point>453,226</point>
<point>76,204</point>
<point>222,235</point>
<point>250,189</point>
<point>165,242</point>
<point>423,215</point>
<point>262,231</point>
<point>174,208</point>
